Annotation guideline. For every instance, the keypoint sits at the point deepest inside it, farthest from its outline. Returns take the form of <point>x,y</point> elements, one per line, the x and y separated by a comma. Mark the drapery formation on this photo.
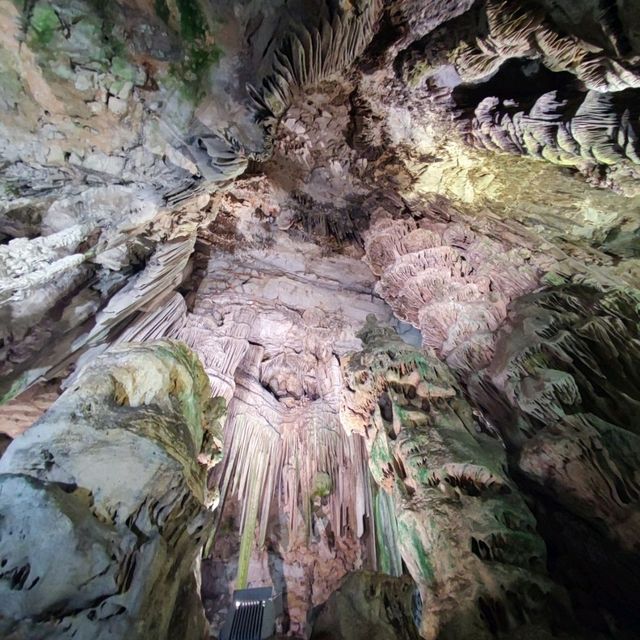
<point>464,532</point>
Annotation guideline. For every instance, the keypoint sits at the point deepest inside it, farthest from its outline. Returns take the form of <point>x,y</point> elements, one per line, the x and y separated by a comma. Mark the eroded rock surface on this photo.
<point>113,476</point>
<point>464,531</point>
<point>257,177</point>
<point>368,605</point>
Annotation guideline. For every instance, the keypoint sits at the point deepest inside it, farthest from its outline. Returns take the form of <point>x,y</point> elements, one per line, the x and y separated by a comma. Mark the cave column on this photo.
<point>464,531</point>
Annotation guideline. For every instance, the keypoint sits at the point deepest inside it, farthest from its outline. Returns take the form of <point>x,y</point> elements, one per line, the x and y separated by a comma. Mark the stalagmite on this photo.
<point>464,532</point>
<point>255,179</point>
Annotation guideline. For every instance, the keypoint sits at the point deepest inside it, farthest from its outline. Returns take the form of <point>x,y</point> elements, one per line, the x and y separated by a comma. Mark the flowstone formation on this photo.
<point>464,531</point>
<point>114,475</point>
<point>563,390</point>
<point>270,329</point>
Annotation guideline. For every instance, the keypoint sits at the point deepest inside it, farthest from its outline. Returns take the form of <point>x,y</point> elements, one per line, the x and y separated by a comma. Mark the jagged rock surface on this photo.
<point>465,532</point>
<point>114,473</point>
<point>520,30</point>
<point>270,328</point>
<point>216,170</point>
<point>366,606</point>
<point>562,389</point>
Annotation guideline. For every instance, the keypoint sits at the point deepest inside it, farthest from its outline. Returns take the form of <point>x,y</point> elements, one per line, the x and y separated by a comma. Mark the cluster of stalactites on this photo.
<point>448,489</point>
<point>520,30</point>
<point>305,49</point>
<point>603,130</point>
<point>449,282</point>
<point>309,51</point>
<point>294,458</point>
<point>567,364</point>
<point>283,435</point>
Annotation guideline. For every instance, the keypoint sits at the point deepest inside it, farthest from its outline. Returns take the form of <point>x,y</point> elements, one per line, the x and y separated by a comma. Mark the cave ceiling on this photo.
<point>403,238</point>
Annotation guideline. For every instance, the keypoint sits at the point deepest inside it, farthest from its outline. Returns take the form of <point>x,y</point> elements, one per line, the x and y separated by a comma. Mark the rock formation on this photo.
<point>465,533</point>
<point>368,605</point>
<point>270,331</point>
<point>255,179</point>
<point>562,390</point>
<point>114,473</point>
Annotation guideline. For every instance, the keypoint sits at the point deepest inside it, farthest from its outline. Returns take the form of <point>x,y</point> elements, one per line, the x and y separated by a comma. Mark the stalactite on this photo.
<point>449,282</point>
<point>386,524</point>
<point>276,361</point>
<point>250,520</point>
<point>308,52</point>
<point>602,130</point>
<point>519,30</point>
<point>564,363</point>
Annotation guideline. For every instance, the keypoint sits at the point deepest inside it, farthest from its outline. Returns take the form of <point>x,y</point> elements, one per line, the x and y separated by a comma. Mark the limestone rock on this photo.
<point>368,606</point>
<point>464,531</point>
<point>111,473</point>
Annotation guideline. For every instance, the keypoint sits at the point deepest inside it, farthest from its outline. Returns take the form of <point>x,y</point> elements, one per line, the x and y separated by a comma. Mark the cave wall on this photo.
<point>104,502</point>
<point>255,178</point>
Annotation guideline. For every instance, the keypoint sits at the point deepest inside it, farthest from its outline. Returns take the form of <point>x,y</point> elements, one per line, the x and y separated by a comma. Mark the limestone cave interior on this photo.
<point>338,299</point>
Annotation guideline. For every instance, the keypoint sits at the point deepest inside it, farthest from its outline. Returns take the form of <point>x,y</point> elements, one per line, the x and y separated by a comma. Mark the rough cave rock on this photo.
<point>338,297</point>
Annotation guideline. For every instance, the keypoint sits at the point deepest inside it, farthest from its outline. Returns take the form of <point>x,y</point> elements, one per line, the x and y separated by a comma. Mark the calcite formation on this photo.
<point>270,333</point>
<point>602,129</point>
<point>512,29</point>
<point>449,282</point>
<point>465,533</point>
<point>255,179</point>
<point>563,391</point>
<point>114,473</point>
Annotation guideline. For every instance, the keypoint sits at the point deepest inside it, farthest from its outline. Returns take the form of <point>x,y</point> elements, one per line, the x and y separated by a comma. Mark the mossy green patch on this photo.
<point>15,388</point>
<point>193,24</point>
<point>199,51</point>
<point>122,69</point>
<point>322,485</point>
<point>191,71</point>
<point>43,25</point>
<point>408,533</point>
<point>11,89</point>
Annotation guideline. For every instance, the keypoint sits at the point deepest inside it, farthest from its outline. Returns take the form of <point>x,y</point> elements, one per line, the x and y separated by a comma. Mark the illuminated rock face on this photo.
<point>255,178</point>
<point>464,532</point>
<point>515,30</point>
<point>270,332</point>
<point>104,503</point>
<point>601,130</point>
<point>451,283</point>
<point>563,390</point>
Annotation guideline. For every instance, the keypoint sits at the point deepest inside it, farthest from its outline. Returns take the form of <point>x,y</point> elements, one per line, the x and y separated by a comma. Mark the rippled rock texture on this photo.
<point>255,178</point>
<point>562,389</point>
<point>104,503</point>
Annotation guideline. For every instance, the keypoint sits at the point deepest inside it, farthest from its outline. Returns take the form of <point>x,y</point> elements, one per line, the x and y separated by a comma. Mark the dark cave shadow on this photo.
<point>276,572</point>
